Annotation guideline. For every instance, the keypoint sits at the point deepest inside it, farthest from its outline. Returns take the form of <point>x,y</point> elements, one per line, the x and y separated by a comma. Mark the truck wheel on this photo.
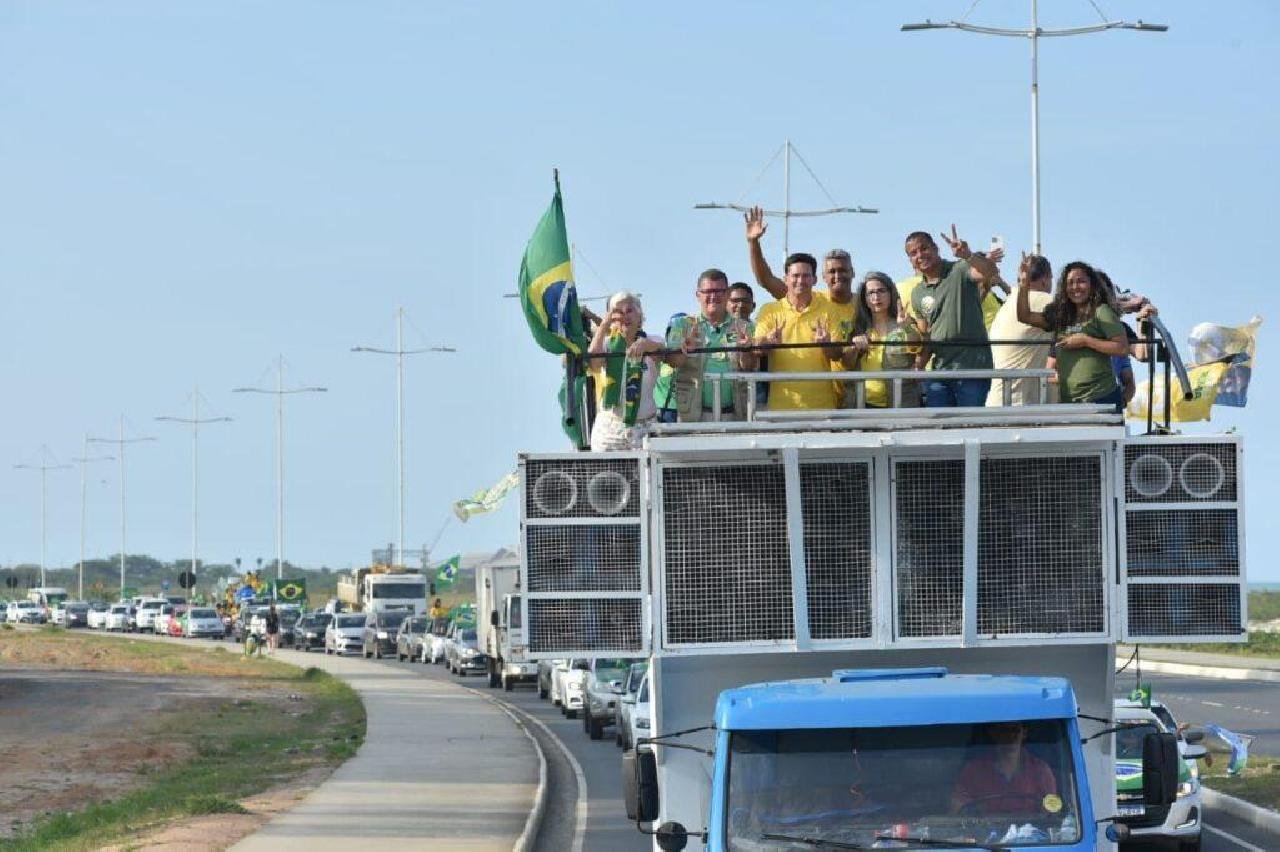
<point>494,677</point>
<point>586,718</point>
<point>596,731</point>
<point>542,693</point>
<point>377,651</point>
<point>617,738</point>
<point>506,684</point>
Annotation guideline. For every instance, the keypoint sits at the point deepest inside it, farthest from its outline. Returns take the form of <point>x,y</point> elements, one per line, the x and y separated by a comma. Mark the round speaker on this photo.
<point>608,492</point>
<point>1151,475</point>
<point>555,492</point>
<point>1201,476</point>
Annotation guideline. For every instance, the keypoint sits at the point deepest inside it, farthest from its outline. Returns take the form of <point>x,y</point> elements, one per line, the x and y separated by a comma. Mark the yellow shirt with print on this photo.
<point>841,332</point>
<point>797,327</point>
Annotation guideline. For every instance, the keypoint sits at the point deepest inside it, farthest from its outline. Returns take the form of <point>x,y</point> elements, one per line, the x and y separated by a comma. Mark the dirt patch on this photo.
<point>72,738</point>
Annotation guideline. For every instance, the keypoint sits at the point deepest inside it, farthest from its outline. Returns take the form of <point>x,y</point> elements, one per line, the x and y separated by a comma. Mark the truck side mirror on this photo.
<point>493,617</point>
<point>640,785</point>
<point>1159,770</point>
<point>1192,735</point>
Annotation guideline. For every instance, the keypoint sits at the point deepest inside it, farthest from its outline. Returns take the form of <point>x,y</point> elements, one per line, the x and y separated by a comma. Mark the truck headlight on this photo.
<point>1188,788</point>
<point>642,724</point>
<point>382,634</point>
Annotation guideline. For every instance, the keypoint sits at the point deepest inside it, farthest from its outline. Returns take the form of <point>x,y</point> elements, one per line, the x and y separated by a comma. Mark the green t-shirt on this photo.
<point>1083,374</point>
<point>953,309</point>
<point>710,334</point>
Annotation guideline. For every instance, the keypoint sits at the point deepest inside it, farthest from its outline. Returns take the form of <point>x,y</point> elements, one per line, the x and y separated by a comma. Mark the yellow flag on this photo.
<point>1205,381</point>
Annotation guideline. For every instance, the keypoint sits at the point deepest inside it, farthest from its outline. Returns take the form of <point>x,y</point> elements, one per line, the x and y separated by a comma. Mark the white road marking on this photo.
<point>1213,703</point>
<point>1243,844</point>
<point>580,823</point>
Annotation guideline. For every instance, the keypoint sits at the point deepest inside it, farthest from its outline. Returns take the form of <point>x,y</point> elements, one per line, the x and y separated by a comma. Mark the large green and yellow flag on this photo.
<point>547,294</point>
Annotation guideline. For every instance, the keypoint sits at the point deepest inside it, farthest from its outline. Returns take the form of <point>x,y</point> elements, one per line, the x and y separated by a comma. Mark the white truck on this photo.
<point>382,588</point>
<point>869,584</point>
<point>47,597</point>
<point>499,624</point>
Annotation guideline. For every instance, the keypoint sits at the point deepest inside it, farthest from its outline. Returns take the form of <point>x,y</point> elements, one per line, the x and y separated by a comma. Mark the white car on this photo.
<point>118,617</point>
<point>433,646</point>
<point>568,686</point>
<point>627,702</point>
<point>98,615</point>
<point>58,613</point>
<point>1181,823</point>
<point>160,623</point>
<point>345,634</point>
<point>636,720</point>
<point>24,612</point>
<point>204,622</point>
<point>147,612</point>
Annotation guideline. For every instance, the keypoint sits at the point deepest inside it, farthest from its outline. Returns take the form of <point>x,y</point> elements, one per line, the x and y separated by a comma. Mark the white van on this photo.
<point>148,609</point>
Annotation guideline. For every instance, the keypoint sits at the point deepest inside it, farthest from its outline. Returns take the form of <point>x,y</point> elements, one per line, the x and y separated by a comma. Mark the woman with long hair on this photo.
<point>884,338</point>
<point>1087,334</point>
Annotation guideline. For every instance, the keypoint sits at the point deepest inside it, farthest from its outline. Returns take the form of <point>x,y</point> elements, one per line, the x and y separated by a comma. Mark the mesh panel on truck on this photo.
<point>838,550</point>
<point>1184,609</point>
<point>582,488</point>
<point>583,558</point>
<point>585,624</point>
<point>1180,472</point>
<point>929,546</point>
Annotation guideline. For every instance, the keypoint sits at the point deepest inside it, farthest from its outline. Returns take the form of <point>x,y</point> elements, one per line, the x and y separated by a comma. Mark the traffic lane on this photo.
<point>1244,706</point>
<point>600,761</point>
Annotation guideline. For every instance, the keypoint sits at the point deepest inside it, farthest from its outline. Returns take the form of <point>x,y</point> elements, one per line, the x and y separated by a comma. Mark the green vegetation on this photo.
<point>286,722</point>
<point>1264,606</point>
<point>1259,645</point>
<point>1260,783</point>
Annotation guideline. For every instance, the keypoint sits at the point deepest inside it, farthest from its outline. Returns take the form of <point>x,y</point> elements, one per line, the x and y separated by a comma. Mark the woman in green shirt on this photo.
<point>1087,333</point>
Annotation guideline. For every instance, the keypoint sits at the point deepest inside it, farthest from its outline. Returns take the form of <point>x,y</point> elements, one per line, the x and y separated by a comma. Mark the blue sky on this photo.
<point>191,188</point>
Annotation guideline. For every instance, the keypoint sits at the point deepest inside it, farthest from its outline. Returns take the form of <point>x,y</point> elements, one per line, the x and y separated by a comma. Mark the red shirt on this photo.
<point>981,777</point>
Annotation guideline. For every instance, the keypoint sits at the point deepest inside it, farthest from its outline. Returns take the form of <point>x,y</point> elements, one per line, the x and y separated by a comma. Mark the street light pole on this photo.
<point>84,460</point>
<point>397,558</point>
<point>44,467</point>
<point>1034,34</point>
<point>121,442</point>
<point>195,422</point>
<point>280,392</point>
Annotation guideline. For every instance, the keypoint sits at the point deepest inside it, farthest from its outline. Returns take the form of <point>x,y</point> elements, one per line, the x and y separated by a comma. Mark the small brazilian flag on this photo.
<point>547,294</point>
<point>292,591</point>
<point>447,571</point>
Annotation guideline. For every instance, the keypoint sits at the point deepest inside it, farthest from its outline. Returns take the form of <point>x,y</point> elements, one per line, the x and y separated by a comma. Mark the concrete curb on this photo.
<point>1259,817</point>
<point>1218,673</point>
<point>534,821</point>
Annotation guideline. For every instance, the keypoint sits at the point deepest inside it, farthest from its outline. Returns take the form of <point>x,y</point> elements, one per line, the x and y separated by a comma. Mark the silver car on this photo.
<point>345,634</point>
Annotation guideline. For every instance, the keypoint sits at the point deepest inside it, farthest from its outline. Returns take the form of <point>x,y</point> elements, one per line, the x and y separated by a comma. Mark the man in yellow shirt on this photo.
<point>800,317</point>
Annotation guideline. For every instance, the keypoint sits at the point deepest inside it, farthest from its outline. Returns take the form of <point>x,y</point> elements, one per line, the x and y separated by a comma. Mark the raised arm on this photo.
<point>981,269</point>
<point>597,346</point>
<point>759,266</point>
<point>1026,316</point>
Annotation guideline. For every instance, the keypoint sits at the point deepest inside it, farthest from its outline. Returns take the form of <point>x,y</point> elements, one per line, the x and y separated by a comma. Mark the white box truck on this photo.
<point>500,629</point>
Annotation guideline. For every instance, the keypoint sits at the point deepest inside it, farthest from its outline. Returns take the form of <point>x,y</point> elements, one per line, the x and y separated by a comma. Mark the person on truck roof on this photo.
<point>1004,777</point>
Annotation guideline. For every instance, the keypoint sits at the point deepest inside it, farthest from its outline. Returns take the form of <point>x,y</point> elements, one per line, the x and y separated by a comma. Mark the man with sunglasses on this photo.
<point>693,387</point>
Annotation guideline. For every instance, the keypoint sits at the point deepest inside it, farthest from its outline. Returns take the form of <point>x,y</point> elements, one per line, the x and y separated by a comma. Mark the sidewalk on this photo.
<point>1220,666</point>
<point>440,768</point>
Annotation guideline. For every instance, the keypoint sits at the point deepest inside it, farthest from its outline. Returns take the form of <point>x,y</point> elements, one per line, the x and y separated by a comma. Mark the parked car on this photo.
<point>568,687</point>
<point>411,637</point>
<point>345,634</point>
<point>627,700</point>
<point>1180,823</point>
<point>119,617</point>
<point>380,632</point>
<point>148,609</point>
<point>202,623</point>
<point>433,648</point>
<point>604,687</point>
<point>544,676</point>
<point>98,615</point>
<point>24,612</point>
<point>462,654</point>
<point>309,633</point>
<point>75,614</point>
<point>635,719</point>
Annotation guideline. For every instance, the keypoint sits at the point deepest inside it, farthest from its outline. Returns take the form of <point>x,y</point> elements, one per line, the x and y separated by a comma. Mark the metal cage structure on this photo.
<point>718,545</point>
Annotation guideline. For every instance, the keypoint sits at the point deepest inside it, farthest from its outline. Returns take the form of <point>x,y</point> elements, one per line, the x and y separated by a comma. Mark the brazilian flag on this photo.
<point>447,571</point>
<point>547,293</point>
<point>291,591</point>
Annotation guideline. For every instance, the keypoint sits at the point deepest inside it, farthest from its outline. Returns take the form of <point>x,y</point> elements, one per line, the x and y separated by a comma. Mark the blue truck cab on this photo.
<point>898,758</point>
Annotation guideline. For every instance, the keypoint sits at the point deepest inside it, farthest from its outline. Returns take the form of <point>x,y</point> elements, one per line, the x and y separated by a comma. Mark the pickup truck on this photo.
<point>871,758</point>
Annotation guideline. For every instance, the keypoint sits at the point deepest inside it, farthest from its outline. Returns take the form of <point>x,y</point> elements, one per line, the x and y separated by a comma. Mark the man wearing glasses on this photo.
<point>712,326</point>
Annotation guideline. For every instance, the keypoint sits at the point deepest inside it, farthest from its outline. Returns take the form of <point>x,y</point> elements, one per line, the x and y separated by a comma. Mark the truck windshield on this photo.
<point>1011,783</point>
<point>514,618</point>
<point>383,591</point>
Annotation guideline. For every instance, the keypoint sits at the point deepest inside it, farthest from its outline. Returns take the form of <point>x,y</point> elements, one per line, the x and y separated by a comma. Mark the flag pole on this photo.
<point>570,360</point>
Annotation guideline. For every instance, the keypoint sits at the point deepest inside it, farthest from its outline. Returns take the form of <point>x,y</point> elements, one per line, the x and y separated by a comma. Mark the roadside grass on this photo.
<point>292,720</point>
<point>1259,784</point>
<point>1259,645</point>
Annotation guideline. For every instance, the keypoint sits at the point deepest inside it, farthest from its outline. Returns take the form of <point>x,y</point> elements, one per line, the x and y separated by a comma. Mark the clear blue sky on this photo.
<point>191,188</point>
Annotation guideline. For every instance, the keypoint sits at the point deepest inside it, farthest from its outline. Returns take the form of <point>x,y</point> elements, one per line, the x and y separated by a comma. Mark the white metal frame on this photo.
<point>1122,517</point>
<point>641,520</point>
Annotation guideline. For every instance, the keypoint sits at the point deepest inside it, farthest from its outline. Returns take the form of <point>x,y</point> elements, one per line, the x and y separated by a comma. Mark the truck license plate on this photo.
<point>1133,810</point>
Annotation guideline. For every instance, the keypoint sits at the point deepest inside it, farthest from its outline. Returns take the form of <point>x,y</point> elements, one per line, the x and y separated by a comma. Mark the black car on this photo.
<point>77,615</point>
<point>310,630</point>
<point>409,638</point>
<point>380,632</point>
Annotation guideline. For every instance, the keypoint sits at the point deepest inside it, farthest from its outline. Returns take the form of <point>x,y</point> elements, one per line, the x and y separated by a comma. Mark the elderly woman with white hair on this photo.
<point>624,319</point>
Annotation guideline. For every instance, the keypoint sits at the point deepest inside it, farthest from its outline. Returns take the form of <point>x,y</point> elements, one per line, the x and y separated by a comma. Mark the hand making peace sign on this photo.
<point>959,247</point>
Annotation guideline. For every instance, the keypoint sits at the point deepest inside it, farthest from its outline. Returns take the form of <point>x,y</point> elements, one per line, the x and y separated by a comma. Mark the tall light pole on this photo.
<point>121,442</point>
<point>83,461</point>
<point>788,151</point>
<point>400,352</point>
<point>280,392</point>
<point>44,467</point>
<point>195,422</point>
<point>1034,34</point>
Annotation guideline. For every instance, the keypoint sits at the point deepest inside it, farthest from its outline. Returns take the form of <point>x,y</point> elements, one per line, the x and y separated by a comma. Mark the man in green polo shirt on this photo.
<point>947,306</point>
<point>694,383</point>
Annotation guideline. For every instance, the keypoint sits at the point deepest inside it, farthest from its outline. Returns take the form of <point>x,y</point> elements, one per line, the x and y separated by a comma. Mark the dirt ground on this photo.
<point>73,737</point>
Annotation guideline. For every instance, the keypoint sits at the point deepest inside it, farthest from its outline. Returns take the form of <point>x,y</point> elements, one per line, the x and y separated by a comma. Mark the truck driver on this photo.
<point>1004,778</point>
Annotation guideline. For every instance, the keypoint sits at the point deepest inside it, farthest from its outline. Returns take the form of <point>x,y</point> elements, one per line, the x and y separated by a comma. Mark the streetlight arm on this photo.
<point>1035,33</point>
<point>742,208</point>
